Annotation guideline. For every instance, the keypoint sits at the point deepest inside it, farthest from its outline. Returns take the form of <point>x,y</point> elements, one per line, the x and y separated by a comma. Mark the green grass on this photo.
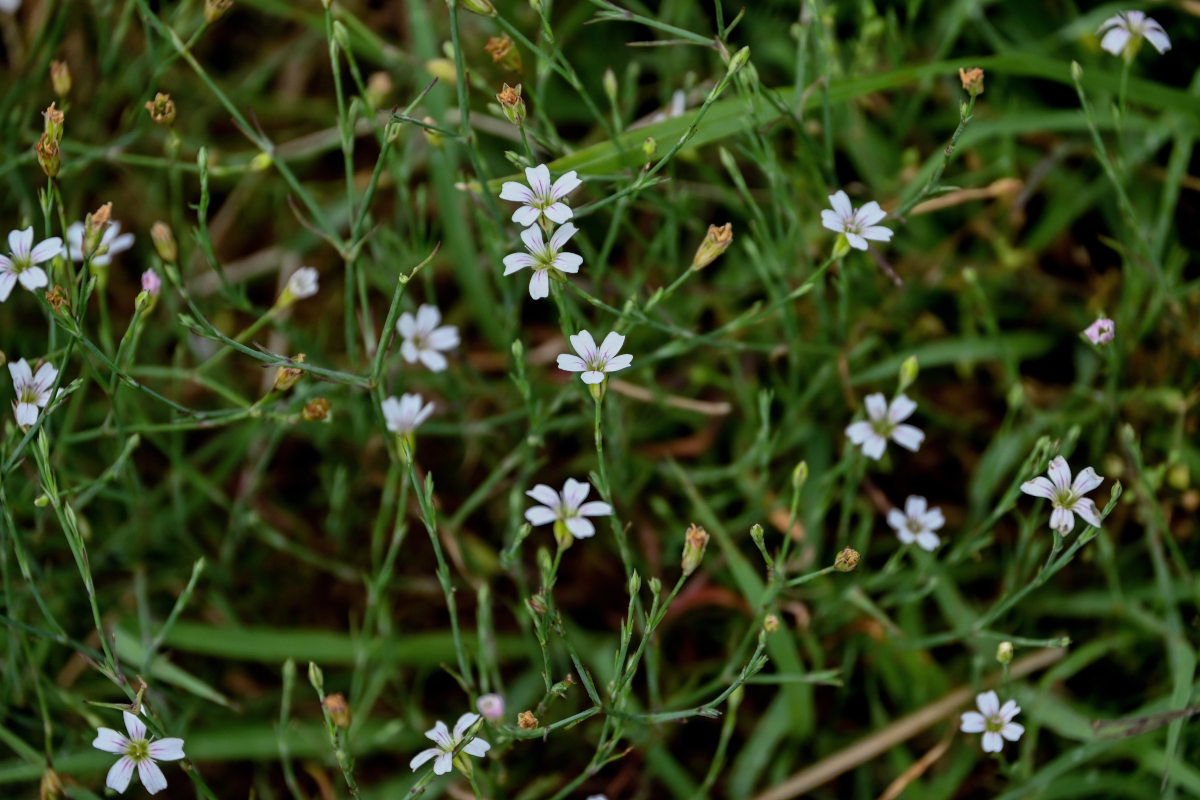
<point>174,519</point>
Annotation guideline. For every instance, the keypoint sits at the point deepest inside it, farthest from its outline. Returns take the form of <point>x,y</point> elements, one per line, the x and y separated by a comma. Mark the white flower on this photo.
<point>302,283</point>
<point>10,6</point>
<point>491,706</point>
<point>33,391</point>
<point>423,338</point>
<point>404,415</point>
<point>447,743</point>
<point>884,423</point>
<point>1122,33</point>
<point>137,750</point>
<point>594,361</point>
<point>858,226</point>
<point>567,507</point>
<point>540,197</point>
<point>1066,497</point>
<point>22,262</point>
<point>112,238</point>
<point>994,721</point>
<point>917,523</point>
<point>542,258</point>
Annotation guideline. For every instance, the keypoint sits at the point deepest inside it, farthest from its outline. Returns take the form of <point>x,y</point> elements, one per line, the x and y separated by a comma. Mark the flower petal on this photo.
<point>153,780</point>
<point>428,318</point>
<point>1115,40</point>
<point>1087,509</point>
<point>558,213</point>
<point>1012,731</point>
<point>33,278</point>
<point>611,345</point>
<point>562,235</point>
<point>581,528</point>
<point>444,338</point>
<point>517,192</point>
<point>540,515</point>
<point>1085,481</point>
<point>896,519</point>
<point>545,495</point>
<point>526,216</point>
<point>908,437</point>
<point>574,493</point>
<point>869,214</point>
<point>444,763</point>
<point>7,281</point>
<point>595,508</point>
<point>26,414</point>
<point>464,722</point>
<point>110,741</point>
<point>1062,520</point>
<point>915,506</point>
<point>476,747</point>
<point>619,363</point>
<point>21,242</point>
<point>539,284</point>
<point>435,361</point>
<point>566,183</point>
<point>992,743</point>
<point>406,326</point>
<point>423,756</point>
<point>136,728</point>
<point>1039,487</point>
<point>857,432</point>
<point>169,749</point>
<point>1157,37</point>
<point>571,363</point>
<point>585,345</point>
<point>928,541</point>
<point>874,446</point>
<point>592,377</point>
<point>933,519</point>
<point>1060,473</point>
<point>568,262</point>
<point>532,238</point>
<point>46,250</point>
<point>901,408</point>
<point>514,262</point>
<point>973,722</point>
<point>832,221</point>
<point>539,179</point>
<point>841,204</point>
<point>856,241</point>
<point>878,233</point>
<point>876,405</point>
<point>988,703</point>
<point>119,775</point>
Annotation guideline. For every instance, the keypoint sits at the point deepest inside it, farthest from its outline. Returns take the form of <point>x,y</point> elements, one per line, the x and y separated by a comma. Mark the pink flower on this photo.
<point>1101,331</point>
<point>151,283</point>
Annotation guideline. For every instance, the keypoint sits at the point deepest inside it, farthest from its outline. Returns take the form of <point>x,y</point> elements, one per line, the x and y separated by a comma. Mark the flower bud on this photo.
<point>635,583</point>
<point>48,157</point>
<point>739,60</point>
<point>972,80</point>
<point>908,372</point>
<point>610,85</point>
<point>537,604</point>
<point>52,126</point>
<point>527,720</point>
<point>1004,652</point>
<point>164,242</point>
<point>655,587</point>
<point>51,787</point>
<point>649,148</point>
<point>57,298</point>
<point>316,677</point>
<point>215,9</point>
<point>60,78</point>
<point>694,544</point>
<point>491,706</point>
<point>93,229</point>
<point>716,242</point>
<point>771,623</point>
<point>316,410</point>
<point>286,377</point>
<point>512,104</point>
<point>756,534</point>
<point>799,476</point>
<point>338,710</point>
<point>1076,72</point>
<point>302,283</point>
<point>161,108</point>
<point>846,560</point>
<point>481,7</point>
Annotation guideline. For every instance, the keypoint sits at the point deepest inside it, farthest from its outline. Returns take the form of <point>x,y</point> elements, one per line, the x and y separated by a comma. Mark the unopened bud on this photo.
<point>655,586</point>
<point>481,7</point>
<point>610,85</point>
<point>739,60</point>
<point>1076,72</point>
<point>1004,652</point>
<point>161,108</point>
<point>164,242</point>
<point>338,710</point>
<point>846,560</point>
<point>908,372</point>
<point>972,80</point>
<point>316,410</point>
<point>771,623</point>
<point>716,242</point>
<point>649,148</point>
<point>527,720</point>
<point>512,104</point>
<point>537,604</point>
<point>756,534</point>
<point>694,544</point>
<point>635,583</point>
<point>491,706</point>
<point>215,9</point>
<point>60,78</point>
<point>286,377</point>
<point>799,476</point>
<point>316,677</point>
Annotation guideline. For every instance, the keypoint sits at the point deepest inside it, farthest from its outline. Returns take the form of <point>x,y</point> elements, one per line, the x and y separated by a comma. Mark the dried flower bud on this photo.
<point>694,544</point>
<point>57,298</point>
<point>512,104</point>
<point>972,80</point>
<point>93,229</point>
<point>164,242</point>
<point>338,709</point>
<point>503,51</point>
<point>51,787</point>
<point>161,108</point>
<point>716,242</point>
<point>48,157</point>
<point>286,377</point>
<point>52,123</point>
<point>491,706</point>
<point>215,9</point>
<point>316,410</point>
<point>771,623</point>
<point>846,560</point>
<point>1004,652</point>
<point>537,604</point>
<point>527,720</point>
<point>60,78</point>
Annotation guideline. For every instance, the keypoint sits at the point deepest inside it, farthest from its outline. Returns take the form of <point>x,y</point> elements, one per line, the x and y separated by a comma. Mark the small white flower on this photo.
<point>423,338</point>
<point>1066,497</point>
<point>137,750</point>
<point>543,257</point>
<point>33,391</point>
<point>10,6</point>
<point>21,264</point>
<point>917,523</point>
<point>491,706</point>
<point>594,361</point>
<point>403,416</point>
<point>112,238</point>
<point>1123,32</point>
<point>994,721</point>
<point>302,283</point>
<point>858,226</point>
<point>447,743</point>
<point>541,198</point>
<point>567,507</point>
<point>884,423</point>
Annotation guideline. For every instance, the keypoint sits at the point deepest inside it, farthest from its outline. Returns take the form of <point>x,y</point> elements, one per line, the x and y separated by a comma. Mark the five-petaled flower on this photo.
<point>423,337</point>
<point>447,743</point>
<point>137,751</point>
<point>994,721</point>
<point>1066,496</point>
<point>543,257</point>
<point>1124,32</point>
<point>857,226</point>
<point>32,390</point>
<point>21,264</point>
<point>541,198</point>
<point>595,361</point>
<point>885,422</point>
<point>112,241</point>
<point>566,509</point>
<point>403,416</point>
<point>917,523</point>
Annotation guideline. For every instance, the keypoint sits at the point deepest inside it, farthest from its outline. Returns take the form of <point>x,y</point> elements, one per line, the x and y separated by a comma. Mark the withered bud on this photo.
<point>51,787</point>
<point>57,298</point>
<point>694,544</point>
<point>164,242</point>
<point>215,9</point>
<point>53,123</point>
<point>716,242</point>
<point>771,623</point>
<point>93,229</point>
<point>60,78</point>
<point>846,560</point>
<point>338,709</point>
<point>972,80</point>
<point>316,410</point>
<point>286,377</point>
<point>161,108</point>
<point>503,51</point>
<point>48,157</point>
<point>527,720</point>
<point>512,104</point>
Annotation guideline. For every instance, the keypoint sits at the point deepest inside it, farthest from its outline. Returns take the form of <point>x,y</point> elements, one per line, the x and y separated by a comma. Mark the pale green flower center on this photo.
<point>915,525</point>
<point>994,724</point>
<point>139,750</point>
<point>1065,498</point>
